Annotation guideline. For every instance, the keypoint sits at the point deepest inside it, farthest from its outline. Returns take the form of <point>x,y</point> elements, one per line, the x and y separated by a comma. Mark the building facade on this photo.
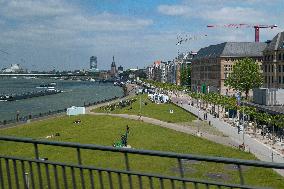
<point>15,68</point>
<point>169,71</point>
<point>120,69</point>
<point>273,63</point>
<point>93,63</point>
<point>213,64</point>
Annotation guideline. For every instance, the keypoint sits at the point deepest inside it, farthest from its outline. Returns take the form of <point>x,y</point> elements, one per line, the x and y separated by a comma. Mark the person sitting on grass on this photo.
<point>77,121</point>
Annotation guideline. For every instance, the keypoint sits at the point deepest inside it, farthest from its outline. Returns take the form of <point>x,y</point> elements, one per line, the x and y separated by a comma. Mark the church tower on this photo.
<point>113,70</point>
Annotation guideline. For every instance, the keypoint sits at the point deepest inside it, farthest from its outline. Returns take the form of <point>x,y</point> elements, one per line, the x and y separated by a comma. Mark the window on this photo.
<point>265,57</point>
<point>271,79</point>
<point>268,79</point>
<point>283,56</point>
<point>279,79</point>
<point>279,68</point>
<point>225,75</point>
<point>271,57</point>
<point>282,68</point>
<point>268,68</point>
<point>279,56</point>
<point>265,79</point>
<point>265,68</point>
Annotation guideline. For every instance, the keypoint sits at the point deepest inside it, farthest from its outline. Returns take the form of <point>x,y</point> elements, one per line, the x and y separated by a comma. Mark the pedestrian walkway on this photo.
<point>259,149</point>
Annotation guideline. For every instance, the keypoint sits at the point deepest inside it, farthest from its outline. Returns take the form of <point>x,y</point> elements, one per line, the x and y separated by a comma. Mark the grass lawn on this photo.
<point>150,109</point>
<point>105,130</point>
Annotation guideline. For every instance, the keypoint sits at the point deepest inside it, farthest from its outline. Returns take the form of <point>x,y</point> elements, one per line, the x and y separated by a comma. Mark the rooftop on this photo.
<point>232,49</point>
<point>276,43</point>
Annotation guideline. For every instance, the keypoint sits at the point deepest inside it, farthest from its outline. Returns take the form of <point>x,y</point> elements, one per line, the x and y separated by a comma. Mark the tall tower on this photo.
<point>113,70</point>
<point>93,63</point>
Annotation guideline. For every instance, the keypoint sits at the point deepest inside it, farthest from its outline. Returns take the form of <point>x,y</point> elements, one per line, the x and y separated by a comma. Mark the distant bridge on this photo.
<point>40,74</point>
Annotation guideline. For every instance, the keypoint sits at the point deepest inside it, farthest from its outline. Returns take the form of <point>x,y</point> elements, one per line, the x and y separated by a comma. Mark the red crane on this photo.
<point>256,28</point>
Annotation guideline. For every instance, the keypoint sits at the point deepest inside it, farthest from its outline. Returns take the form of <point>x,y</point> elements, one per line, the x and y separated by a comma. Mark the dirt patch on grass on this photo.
<point>218,176</point>
<point>235,167</point>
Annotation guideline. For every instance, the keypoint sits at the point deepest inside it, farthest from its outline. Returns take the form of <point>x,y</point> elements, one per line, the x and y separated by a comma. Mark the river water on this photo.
<point>76,93</point>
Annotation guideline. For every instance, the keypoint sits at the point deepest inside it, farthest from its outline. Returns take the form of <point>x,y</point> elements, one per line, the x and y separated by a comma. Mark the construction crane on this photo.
<point>182,39</point>
<point>256,28</point>
<point>4,52</point>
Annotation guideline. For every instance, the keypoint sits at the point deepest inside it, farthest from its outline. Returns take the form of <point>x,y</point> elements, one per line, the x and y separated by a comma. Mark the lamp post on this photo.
<point>243,123</point>
<point>18,116</point>
<point>198,115</point>
<point>269,121</point>
<point>140,105</point>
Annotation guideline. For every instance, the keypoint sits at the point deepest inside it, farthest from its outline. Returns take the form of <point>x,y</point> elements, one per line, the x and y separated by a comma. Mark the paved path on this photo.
<point>260,150</point>
<point>185,129</point>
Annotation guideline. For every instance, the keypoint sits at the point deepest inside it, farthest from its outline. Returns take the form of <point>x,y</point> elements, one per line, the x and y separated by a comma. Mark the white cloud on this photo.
<point>101,22</point>
<point>215,13</point>
<point>30,8</point>
<point>48,27</point>
<point>234,15</point>
<point>174,10</point>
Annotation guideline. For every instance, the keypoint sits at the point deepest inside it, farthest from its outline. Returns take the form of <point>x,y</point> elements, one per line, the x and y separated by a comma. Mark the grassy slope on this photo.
<point>158,111</point>
<point>105,130</point>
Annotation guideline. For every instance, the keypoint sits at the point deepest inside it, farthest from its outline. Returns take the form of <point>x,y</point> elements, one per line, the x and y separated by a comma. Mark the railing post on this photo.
<point>36,151</point>
<point>242,182</point>
<point>128,169</point>
<point>181,172</point>
<point>8,174</point>
<point>81,170</point>
<point>16,174</point>
<point>1,176</point>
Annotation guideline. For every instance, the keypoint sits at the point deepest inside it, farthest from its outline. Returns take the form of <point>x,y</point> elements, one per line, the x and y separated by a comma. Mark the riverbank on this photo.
<point>130,91</point>
<point>105,130</point>
<point>75,93</point>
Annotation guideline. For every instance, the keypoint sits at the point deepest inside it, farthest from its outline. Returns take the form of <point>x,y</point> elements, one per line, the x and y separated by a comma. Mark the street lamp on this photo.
<point>18,116</point>
<point>198,116</point>
<point>269,120</point>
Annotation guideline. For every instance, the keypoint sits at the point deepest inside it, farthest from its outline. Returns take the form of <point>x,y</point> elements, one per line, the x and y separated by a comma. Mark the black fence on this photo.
<point>36,172</point>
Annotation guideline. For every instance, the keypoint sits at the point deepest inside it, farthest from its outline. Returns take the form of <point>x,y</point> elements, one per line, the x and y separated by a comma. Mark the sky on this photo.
<point>64,34</point>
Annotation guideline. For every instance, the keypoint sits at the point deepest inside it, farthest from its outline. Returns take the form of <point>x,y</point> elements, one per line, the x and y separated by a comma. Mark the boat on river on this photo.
<point>47,86</point>
<point>14,97</point>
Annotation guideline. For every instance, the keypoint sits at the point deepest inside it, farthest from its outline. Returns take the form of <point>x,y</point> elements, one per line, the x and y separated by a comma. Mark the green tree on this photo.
<point>185,75</point>
<point>245,76</point>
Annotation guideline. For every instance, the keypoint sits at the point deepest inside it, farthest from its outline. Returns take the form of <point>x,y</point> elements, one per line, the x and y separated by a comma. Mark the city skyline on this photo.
<point>61,35</point>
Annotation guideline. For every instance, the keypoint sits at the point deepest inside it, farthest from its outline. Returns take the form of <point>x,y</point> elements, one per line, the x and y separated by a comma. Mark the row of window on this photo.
<point>228,67</point>
<point>235,59</point>
<point>269,68</point>
<point>270,57</point>
<point>269,79</point>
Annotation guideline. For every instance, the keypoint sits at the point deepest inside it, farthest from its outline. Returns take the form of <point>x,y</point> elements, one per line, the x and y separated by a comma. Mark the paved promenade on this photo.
<point>260,150</point>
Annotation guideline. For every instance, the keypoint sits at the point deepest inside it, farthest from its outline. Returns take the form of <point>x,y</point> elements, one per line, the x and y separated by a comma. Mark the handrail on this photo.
<point>148,152</point>
<point>132,173</point>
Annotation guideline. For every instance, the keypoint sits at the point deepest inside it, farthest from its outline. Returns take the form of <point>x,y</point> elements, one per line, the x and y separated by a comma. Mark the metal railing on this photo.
<point>18,172</point>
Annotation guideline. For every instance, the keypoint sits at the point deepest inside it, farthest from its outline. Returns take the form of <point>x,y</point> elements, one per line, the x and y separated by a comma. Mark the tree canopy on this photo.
<point>245,76</point>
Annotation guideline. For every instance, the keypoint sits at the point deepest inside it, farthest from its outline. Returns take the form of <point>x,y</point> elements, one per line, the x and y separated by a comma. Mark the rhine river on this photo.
<point>75,93</point>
